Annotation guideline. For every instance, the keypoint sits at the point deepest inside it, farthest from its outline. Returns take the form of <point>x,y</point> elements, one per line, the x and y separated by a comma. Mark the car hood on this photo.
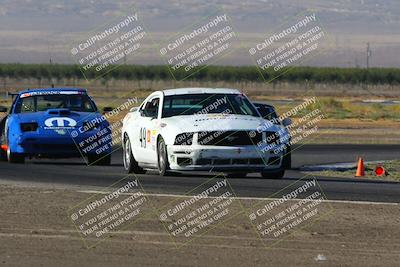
<point>45,118</point>
<point>215,122</point>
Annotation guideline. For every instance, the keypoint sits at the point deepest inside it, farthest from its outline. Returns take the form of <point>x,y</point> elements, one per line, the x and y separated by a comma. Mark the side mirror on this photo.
<point>286,122</point>
<point>134,109</point>
<point>107,109</point>
<point>3,109</point>
<point>261,111</point>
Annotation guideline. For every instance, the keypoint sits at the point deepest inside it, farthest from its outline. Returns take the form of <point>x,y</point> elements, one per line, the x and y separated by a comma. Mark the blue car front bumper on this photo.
<point>60,145</point>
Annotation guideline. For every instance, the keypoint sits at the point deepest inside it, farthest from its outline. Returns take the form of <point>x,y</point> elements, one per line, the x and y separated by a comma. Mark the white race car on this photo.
<point>201,129</point>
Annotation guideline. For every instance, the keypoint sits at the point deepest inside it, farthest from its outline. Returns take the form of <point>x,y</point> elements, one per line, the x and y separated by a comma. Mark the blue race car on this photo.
<point>55,123</point>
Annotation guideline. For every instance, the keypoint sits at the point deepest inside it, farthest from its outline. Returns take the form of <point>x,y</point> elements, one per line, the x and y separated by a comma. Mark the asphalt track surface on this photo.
<point>74,173</point>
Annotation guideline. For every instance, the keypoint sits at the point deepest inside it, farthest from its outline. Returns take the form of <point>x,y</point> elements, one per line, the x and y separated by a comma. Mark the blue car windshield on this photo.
<point>73,102</point>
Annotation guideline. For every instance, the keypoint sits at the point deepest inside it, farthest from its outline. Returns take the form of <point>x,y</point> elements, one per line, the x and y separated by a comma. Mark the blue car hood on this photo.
<point>58,117</point>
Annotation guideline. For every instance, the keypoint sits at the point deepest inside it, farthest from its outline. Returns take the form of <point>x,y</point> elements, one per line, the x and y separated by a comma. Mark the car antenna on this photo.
<point>51,62</point>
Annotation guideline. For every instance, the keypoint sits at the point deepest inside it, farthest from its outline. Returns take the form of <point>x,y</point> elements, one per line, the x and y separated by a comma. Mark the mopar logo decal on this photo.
<point>60,122</point>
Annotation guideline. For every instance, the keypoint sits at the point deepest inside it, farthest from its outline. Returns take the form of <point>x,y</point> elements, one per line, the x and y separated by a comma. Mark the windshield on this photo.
<point>73,102</point>
<point>192,104</point>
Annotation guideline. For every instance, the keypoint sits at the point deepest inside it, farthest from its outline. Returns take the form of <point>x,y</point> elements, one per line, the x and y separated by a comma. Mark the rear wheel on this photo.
<point>273,174</point>
<point>130,164</point>
<point>162,158</point>
<point>236,174</point>
<point>15,157</point>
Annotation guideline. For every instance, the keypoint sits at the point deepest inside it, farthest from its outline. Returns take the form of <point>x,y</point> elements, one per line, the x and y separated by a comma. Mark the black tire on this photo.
<point>162,158</point>
<point>287,159</point>
<point>15,157</point>
<point>130,164</point>
<point>273,174</point>
<point>99,160</point>
<point>3,155</point>
<point>236,174</point>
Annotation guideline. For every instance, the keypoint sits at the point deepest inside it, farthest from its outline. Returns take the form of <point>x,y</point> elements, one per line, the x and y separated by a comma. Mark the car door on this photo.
<point>146,131</point>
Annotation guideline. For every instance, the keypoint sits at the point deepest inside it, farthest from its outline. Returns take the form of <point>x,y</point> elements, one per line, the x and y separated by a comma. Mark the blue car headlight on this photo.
<point>29,126</point>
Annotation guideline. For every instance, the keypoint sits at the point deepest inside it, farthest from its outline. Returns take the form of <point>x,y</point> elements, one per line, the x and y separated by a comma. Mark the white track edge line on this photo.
<point>252,198</point>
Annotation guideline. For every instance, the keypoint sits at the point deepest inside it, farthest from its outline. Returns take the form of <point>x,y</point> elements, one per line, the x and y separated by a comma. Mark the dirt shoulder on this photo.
<point>35,230</point>
<point>391,168</point>
<point>355,131</point>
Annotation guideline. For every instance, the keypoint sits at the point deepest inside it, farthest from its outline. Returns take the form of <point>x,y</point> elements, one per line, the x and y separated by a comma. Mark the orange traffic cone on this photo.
<point>360,168</point>
<point>380,171</point>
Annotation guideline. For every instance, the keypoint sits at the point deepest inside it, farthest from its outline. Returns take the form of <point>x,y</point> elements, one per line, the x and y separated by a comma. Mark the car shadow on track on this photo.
<point>72,164</point>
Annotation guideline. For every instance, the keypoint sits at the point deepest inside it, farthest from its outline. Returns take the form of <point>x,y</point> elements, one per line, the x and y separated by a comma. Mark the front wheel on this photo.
<point>162,158</point>
<point>273,174</point>
<point>3,155</point>
<point>3,148</point>
<point>130,164</point>
<point>15,157</point>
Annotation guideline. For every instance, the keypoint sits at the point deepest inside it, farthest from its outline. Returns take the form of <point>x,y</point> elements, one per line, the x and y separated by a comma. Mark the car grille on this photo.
<point>238,161</point>
<point>272,138</point>
<point>184,139</point>
<point>244,161</point>
<point>229,138</point>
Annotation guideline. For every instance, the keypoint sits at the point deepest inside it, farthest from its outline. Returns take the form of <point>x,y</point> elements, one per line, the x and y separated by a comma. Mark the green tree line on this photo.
<point>210,73</point>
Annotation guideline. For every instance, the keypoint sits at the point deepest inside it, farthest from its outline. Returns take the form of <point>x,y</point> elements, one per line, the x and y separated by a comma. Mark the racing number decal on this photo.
<point>144,137</point>
<point>148,136</point>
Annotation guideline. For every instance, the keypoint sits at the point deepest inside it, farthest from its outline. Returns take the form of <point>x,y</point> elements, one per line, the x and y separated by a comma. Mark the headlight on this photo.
<point>29,127</point>
<point>184,139</point>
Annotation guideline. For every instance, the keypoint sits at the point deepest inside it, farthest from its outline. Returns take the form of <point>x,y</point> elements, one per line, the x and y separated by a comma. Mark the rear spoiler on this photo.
<point>13,95</point>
